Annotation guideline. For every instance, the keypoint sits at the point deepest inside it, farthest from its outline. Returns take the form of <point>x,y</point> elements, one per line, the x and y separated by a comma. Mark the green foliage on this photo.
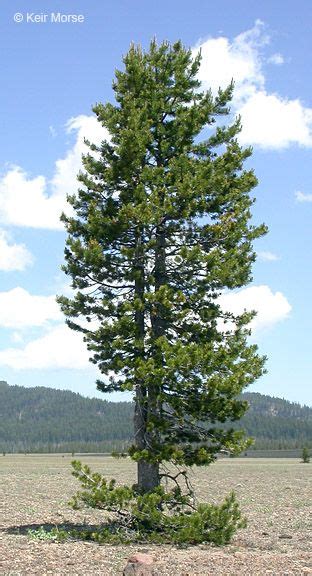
<point>156,516</point>
<point>305,455</point>
<point>160,229</point>
<point>99,493</point>
<point>53,534</point>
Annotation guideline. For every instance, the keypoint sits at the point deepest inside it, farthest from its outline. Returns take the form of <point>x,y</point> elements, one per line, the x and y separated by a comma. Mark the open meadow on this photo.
<point>274,494</point>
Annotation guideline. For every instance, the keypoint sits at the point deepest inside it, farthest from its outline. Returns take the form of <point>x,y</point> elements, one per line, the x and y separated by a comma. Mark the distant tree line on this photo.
<point>46,420</point>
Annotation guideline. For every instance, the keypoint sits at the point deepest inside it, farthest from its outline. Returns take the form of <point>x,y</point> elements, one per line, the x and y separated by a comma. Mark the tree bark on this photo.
<point>147,473</point>
<point>148,476</point>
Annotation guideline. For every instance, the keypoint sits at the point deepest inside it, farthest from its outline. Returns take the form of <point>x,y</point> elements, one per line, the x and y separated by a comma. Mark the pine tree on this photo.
<point>161,228</point>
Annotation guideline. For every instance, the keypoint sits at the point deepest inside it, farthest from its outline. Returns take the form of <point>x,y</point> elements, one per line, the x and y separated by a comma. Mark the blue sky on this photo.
<point>52,74</point>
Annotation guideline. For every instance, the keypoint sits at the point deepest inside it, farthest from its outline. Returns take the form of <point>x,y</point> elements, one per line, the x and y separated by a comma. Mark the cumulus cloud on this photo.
<point>60,347</point>
<point>269,120</point>
<point>20,309</point>
<point>36,202</point>
<point>13,256</point>
<point>224,60</point>
<point>303,197</point>
<point>271,307</point>
<point>57,347</point>
<point>64,180</point>
<point>267,256</point>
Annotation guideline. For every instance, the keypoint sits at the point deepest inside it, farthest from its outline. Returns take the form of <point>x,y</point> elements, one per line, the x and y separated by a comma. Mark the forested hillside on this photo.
<point>47,420</point>
<point>276,423</point>
<point>44,419</point>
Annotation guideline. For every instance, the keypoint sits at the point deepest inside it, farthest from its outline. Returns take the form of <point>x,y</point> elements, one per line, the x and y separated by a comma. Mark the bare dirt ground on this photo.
<point>275,495</point>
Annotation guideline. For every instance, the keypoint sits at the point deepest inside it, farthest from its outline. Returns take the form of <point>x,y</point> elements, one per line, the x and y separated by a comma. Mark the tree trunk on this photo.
<point>148,474</point>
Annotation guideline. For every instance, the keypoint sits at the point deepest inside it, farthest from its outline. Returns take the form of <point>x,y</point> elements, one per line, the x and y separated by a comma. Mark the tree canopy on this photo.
<point>161,226</point>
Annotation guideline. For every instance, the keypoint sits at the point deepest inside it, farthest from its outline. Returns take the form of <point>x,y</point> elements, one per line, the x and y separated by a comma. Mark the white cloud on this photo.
<point>271,307</point>
<point>269,120</point>
<point>17,337</point>
<point>58,348</point>
<point>303,197</point>
<point>223,60</point>
<point>36,202</point>
<point>13,256</point>
<point>65,177</point>
<point>267,256</point>
<point>20,309</point>
<point>276,59</point>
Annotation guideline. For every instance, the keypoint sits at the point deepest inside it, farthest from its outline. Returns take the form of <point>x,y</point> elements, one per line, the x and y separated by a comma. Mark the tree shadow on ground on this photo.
<point>75,531</point>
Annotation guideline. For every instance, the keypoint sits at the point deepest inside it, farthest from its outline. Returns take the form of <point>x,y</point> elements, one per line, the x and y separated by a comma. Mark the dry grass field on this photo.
<point>275,495</point>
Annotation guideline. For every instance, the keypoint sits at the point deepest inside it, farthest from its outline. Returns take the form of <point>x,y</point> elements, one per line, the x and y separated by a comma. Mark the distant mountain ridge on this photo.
<point>277,423</point>
<point>43,419</point>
